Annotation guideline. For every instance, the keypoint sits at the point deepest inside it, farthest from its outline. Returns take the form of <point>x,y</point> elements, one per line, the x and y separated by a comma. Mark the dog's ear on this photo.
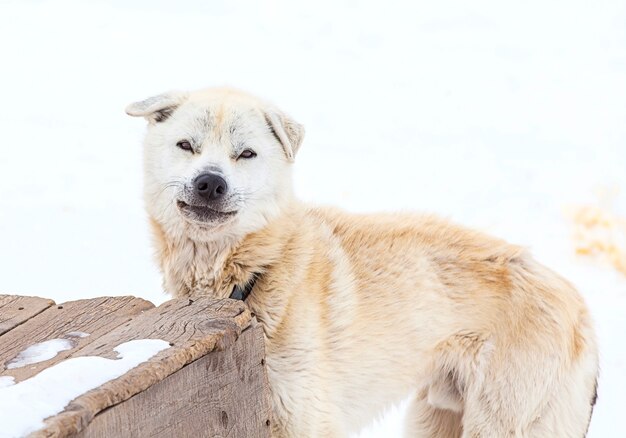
<point>156,108</point>
<point>288,132</point>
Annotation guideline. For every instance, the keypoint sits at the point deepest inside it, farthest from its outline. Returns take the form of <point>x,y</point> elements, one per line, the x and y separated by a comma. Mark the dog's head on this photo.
<point>217,162</point>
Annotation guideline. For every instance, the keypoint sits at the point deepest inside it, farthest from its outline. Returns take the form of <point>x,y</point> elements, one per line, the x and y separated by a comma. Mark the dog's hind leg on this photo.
<point>568,412</point>
<point>532,395</point>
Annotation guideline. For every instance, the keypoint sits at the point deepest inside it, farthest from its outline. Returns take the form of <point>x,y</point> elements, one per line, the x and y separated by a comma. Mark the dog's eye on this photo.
<point>248,153</point>
<point>184,145</point>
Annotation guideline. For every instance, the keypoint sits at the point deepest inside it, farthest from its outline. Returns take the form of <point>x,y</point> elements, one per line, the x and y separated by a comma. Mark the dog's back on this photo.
<point>509,343</point>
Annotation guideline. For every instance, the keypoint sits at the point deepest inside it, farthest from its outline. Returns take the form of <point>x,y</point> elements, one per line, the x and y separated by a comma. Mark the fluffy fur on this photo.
<point>362,311</point>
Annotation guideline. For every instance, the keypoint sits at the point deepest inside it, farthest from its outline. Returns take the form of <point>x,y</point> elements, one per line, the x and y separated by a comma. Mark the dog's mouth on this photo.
<point>202,213</point>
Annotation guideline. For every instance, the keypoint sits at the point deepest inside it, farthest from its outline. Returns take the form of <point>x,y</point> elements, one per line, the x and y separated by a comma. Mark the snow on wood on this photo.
<point>95,316</point>
<point>24,406</point>
<point>86,368</point>
<point>40,352</point>
<point>77,334</point>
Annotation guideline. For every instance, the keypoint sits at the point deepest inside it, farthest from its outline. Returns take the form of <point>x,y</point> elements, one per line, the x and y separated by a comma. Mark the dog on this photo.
<point>360,311</point>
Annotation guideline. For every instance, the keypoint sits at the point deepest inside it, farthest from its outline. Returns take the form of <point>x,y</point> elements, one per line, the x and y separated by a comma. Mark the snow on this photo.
<point>77,335</point>
<point>24,405</point>
<point>39,352</point>
<point>498,115</point>
<point>6,381</point>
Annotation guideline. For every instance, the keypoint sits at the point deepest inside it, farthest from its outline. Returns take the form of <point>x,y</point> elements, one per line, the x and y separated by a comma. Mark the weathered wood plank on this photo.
<point>96,316</point>
<point>194,328</point>
<point>223,394</point>
<point>15,310</point>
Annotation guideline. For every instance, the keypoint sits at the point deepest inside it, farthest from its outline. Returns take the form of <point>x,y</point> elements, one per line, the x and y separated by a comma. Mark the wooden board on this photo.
<point>223,394</point>
<point>96,317</point>
<point>15,310</point>
<point>193,328</point>
<point>211,381</point>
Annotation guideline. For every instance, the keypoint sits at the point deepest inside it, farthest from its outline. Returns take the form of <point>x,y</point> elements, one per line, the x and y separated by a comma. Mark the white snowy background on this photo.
<point>496,114</point>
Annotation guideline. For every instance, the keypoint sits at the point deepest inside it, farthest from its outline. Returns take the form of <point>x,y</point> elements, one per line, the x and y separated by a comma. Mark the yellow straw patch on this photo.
<point>599,232</point>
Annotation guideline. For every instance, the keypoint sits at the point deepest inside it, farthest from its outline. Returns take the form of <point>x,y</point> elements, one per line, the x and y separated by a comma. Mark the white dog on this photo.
<point>360,312</point>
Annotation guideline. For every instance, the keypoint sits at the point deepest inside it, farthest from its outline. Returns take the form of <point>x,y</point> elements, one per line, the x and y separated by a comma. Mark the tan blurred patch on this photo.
<point>599,232</point>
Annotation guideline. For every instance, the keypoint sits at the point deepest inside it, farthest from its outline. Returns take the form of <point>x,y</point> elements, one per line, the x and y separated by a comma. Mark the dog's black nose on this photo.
<point>210,186</point>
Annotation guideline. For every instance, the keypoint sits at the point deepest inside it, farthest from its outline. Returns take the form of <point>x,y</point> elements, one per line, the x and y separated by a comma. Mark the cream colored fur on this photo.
<point>361,311</point>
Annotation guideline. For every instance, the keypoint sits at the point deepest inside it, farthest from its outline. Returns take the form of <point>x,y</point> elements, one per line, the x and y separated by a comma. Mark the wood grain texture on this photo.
<point>96,316</point>
<point>222,394</point>
<point>15,310</point>
<point>193,328</point>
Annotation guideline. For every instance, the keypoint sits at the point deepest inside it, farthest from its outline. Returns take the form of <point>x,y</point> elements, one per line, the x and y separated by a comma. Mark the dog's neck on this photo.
<point>192,268</point>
